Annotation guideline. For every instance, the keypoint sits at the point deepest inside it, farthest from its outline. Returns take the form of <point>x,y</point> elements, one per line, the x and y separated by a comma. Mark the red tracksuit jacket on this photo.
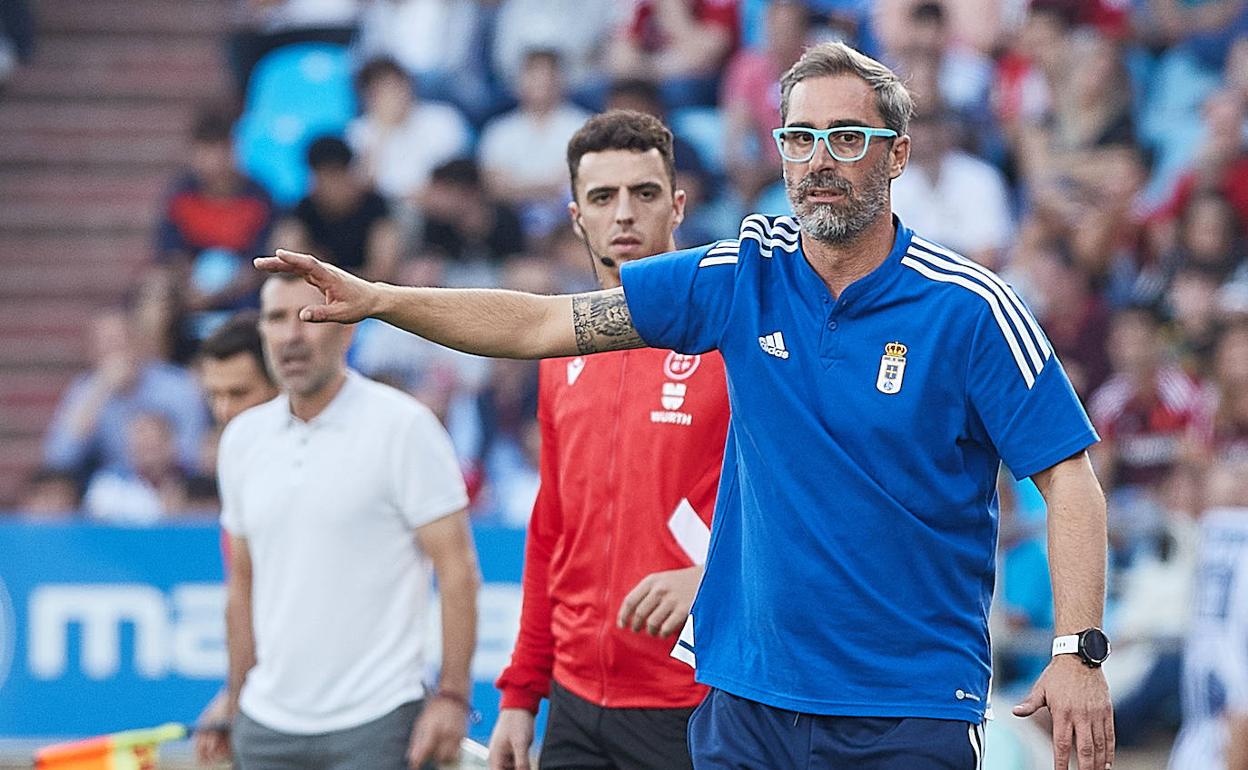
<point>632,444</point>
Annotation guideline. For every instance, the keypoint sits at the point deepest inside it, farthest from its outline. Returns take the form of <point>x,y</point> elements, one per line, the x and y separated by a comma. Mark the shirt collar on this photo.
<point>883,274</point>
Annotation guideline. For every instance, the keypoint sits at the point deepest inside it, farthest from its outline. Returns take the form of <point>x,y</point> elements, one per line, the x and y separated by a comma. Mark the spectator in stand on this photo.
<point>526,25</point>
<point>90,428</point>
<point>1148,414</point>
<point>750,97</point>
<point>1091,110</point>
<point>1230,395</point>
<point>464,227</point>
<point>960,200</point>
<point>261,26</point>
<point>1033,59</point>
<point>1221,168</point>
<point>1195,317</point>
<point>1075,317</point>
<point>521,153</point>
<point>443,44</point>
<point>344,217</point>
<point>643,96</point>
<point>214,220</point>
<point>1207,238</point>
<point>679,44</point>
<point>964,74</point>
<point>49,493</point>
<point>400,139</point>
<point>1204,30</point>
<point>977,24</point>
<point>152,486</point>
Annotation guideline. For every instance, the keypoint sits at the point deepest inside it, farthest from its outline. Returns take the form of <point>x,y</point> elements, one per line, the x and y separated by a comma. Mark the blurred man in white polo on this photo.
<point>338,497</point>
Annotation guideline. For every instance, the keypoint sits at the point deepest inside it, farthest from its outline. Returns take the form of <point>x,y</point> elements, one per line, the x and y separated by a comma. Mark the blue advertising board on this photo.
<point>106,628</point>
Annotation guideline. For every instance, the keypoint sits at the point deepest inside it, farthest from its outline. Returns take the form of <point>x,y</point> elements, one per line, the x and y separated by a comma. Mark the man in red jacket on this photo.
<point>632,443</point>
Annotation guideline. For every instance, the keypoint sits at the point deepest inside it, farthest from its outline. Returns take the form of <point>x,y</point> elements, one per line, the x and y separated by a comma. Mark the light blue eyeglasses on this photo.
<point>845,143</point>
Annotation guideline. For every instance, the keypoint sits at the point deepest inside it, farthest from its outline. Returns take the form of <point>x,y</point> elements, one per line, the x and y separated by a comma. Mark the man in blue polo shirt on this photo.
<point>877,381</point>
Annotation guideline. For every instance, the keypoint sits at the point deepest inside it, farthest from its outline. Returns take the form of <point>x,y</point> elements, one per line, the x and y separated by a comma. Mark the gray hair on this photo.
<point>892,98</point>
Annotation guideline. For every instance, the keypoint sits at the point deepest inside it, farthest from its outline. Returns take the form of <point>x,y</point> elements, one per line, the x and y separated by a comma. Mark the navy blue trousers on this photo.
<point>731,733</point>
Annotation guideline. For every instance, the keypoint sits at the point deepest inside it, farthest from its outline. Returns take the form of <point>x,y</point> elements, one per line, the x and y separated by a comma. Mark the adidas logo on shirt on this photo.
<point>774,345</point>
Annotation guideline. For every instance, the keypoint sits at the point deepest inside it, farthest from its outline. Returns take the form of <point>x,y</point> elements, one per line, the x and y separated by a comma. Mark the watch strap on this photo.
<point>1064,645</point>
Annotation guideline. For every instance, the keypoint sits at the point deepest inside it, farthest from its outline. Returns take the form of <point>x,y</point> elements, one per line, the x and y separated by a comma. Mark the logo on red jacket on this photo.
<point>673,395</point>
<point>679,366</point>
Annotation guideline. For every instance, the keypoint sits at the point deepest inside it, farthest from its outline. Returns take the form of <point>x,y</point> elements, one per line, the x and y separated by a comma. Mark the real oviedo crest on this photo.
<point>892,369</point>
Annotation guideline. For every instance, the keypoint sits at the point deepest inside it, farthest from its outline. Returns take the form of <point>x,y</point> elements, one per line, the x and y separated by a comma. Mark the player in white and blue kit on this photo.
<point>1215,656</point>
<point>877,381</point>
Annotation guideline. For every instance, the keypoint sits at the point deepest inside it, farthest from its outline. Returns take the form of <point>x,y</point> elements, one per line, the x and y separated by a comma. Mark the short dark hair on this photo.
<point>213,125</point>
<point>928,13</point>
<point>638,89</point>
<point>458,171</point>
<point>376,69</point>
<point>329,151</point>
<point>621,130</point>
<point>549,56</point>
<point>240,334</point>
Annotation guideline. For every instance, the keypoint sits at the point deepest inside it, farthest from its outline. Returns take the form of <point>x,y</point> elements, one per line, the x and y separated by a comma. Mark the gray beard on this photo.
<point>838,223</point>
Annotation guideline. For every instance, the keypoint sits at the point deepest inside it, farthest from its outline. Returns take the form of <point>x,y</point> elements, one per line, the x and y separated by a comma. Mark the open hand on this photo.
<point>348,298</point>
<point>1083,717</point>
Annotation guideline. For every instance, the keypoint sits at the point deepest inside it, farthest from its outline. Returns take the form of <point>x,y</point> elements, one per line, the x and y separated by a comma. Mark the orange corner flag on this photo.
<point>129,750</point>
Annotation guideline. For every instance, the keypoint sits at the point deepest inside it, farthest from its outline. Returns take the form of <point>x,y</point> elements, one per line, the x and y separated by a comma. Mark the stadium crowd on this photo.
<point>1093,152</point>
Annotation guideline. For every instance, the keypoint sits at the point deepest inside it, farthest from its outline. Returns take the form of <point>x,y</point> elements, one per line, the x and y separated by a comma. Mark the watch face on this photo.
<point>1094,645</point>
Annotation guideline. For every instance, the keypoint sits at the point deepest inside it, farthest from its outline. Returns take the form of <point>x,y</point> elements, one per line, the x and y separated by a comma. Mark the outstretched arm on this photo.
<point>487,322</point>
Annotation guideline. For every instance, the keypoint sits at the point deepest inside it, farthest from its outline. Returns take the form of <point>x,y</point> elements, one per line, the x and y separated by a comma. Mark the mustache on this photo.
<point>294,351</point>
<point>825,179</point>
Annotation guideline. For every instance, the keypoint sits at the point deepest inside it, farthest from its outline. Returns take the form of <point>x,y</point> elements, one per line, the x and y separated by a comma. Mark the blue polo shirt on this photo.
<point>852,555</point>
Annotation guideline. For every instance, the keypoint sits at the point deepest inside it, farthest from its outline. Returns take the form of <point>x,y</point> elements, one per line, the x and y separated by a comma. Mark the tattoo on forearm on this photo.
<point>602,322</point>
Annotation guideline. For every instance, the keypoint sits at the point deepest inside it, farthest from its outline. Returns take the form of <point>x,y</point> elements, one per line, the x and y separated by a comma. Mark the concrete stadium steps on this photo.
<point>96,118</point>
<point>91,133</point>
<point>20,457</point>
<point>70,216</point>
<point>69,248</point>
<point>70,184</point>
<point>173,80</point>
<point>203,19</point>
<point>141,150</point>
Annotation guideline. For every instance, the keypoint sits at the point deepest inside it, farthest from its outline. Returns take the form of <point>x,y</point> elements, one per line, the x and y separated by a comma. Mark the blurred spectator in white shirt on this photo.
<point>523,153</point>
<point>401,138</point>
<point>151,488</point>
<point>961,201</point>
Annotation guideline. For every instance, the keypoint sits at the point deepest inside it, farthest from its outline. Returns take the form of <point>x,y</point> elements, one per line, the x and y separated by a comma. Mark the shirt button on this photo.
<point>832,325</point>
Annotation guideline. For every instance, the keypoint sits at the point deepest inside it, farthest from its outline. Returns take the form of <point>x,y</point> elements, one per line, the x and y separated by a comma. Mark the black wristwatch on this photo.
<point>1090,644</point>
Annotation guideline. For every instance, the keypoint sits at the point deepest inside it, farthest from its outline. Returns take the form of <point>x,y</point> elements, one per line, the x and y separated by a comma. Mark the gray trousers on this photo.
<point>378,745</point>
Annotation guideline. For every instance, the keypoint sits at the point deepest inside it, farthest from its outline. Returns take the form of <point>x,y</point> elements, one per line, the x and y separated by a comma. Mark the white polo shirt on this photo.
<point>340,590</point>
